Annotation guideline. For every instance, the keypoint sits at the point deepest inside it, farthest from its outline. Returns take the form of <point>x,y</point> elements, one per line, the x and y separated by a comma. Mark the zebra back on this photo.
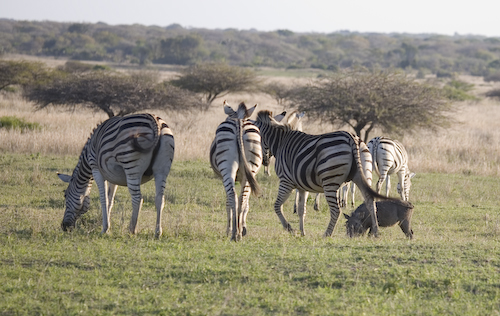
<point>238,130</point>
<point>130,142</point>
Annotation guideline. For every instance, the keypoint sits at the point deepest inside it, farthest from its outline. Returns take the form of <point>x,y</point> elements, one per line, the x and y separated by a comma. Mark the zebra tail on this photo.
<point>155,142</point>
<point>364,183</point>
<point>254,185</point>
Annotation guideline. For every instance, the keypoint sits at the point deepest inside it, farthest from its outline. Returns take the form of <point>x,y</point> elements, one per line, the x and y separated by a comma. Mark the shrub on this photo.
<point>457,90</point>
<point>495,77</point>
<point>12,122</point>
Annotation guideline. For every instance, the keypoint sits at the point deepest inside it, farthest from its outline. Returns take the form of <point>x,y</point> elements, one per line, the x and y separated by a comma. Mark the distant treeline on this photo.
<point>174,44</point>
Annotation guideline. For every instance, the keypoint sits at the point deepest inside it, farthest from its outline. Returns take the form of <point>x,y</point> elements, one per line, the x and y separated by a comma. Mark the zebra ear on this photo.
<point>250,111</point>
<point>64,177</point>
<point>227,109</point>
<point>412,175</point>
<point>280,116</point>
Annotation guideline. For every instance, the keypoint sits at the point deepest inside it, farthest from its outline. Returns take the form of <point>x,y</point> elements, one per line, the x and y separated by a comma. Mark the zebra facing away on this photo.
<point>390,156</point>
<point>121,151</point>
<point>315,163</point>
<point>236,155</point>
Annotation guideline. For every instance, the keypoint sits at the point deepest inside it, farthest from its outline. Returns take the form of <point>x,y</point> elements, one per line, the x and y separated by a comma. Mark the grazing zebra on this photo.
<point>314,163</point>
<point>389,157</point>
<point>236,154</point>
<point>126,151</point>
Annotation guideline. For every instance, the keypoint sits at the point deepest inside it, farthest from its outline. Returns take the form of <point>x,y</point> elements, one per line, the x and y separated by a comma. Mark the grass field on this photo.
<point>451,267</point>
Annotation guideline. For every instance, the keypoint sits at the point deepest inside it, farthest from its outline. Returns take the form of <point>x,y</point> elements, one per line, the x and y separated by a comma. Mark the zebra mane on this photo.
<point>266,118</point>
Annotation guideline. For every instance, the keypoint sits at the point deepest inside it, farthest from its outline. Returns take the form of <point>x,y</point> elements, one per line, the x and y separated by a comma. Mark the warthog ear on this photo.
<point>346,216</point>
<point>64,177</point>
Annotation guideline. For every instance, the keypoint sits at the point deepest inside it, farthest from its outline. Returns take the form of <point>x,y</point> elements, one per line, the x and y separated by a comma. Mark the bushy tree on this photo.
<point>115,94</point>
<point>364,100</point>
<point>22,73</point>
<point>215,80</point>
<point>278,91</point>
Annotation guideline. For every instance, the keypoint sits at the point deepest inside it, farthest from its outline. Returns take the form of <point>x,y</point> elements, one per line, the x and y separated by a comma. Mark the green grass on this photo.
<point>451,267</point>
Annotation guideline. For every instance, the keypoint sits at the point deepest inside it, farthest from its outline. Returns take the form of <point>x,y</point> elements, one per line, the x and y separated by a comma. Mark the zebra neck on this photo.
<point>273,138</point>
<point>82,174</point>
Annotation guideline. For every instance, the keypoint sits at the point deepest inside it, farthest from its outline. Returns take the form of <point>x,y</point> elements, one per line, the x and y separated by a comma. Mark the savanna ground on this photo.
<point>452,266</point>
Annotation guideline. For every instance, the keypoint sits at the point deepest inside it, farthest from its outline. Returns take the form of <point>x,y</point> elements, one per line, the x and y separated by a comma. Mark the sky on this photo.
<point>446,17</point>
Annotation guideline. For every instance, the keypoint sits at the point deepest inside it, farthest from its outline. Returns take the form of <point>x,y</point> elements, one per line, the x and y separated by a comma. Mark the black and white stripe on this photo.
<point>314,163</point>
<point>125,151</point>
<point>236,155</point>
<point>390,156</point>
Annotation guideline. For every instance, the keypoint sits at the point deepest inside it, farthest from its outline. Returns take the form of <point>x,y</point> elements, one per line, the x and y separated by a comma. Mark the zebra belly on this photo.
<point>115,173</point>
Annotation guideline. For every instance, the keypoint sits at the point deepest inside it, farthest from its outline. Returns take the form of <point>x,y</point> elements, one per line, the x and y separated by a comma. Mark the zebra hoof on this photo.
<point>244,232</point>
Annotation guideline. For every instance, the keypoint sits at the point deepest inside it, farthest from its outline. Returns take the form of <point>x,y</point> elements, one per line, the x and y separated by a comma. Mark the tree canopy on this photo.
<point>364,100</point>
<point>22,73</point>
<point>215,80</point>
<point>114,93</point>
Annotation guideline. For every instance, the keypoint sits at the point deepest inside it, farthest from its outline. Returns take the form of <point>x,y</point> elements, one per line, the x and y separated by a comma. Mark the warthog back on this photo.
<point>389,213</point>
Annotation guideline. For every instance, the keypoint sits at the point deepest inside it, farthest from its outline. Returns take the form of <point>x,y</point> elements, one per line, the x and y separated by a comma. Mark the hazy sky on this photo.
<point>479,17</point>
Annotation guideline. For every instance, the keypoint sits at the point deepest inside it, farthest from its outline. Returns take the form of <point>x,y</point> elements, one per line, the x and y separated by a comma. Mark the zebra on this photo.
<point>121,151</point>
<point>366,161</point>
<point>295,120</point>
<point>236,154</point>
<point>390,156</point>
<point>315,163</point>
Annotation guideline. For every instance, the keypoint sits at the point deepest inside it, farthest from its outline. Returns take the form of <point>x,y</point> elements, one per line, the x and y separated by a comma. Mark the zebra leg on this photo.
<point>160,182</point>
<point>333,203</point>
<point>369,201</point>
<point>102,185</point>
<point>388,185</point>
<point>301,201</point>
<point>401,178</point>
<point>316,202</point>
<point>134,188</point>
<point>230,208</point>
<point>245,206</point>
<point>353,192</point>
<point>380,181</point>
<point>111,195</point>
<point>296,204</point>
<point>284,192</point>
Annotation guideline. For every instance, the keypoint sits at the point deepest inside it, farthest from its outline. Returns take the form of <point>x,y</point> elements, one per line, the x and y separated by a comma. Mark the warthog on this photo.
<point>389,213</point>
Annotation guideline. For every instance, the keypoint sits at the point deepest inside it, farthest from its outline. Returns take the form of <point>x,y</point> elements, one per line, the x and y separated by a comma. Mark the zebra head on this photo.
<point>77,204</point>
<point>295,120</point>
<point>266,153</point>
<point>241,113</point>
<point>407,180</point>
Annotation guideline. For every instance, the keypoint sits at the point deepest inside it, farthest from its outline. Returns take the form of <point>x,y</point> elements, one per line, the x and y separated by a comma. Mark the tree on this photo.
<point>115,94</point>
<point>215,80</point>
<point>279,91</point>
<point>364,100</point>
<point>180,50</point>
<point>22,73</point>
